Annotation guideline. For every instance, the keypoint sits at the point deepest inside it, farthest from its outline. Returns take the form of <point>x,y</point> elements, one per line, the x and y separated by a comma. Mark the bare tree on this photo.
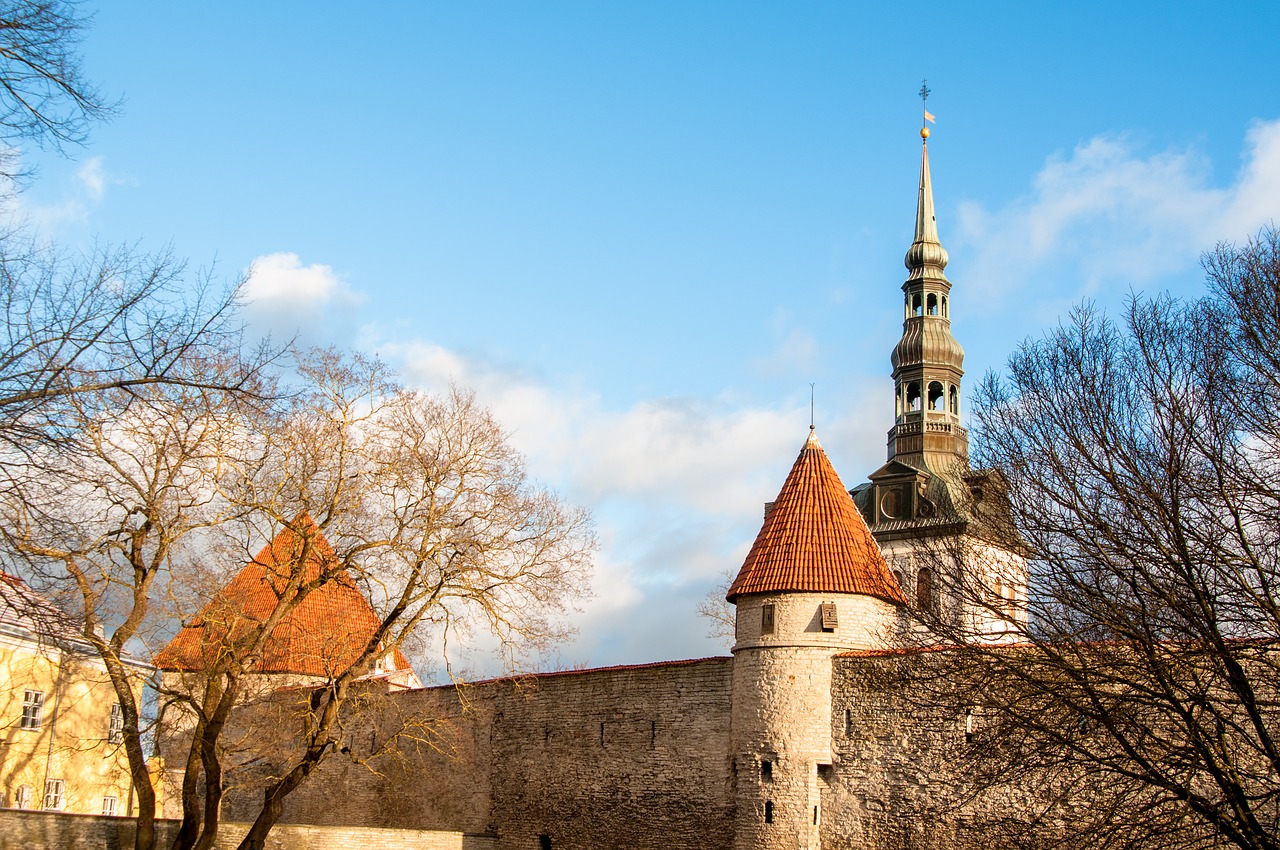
<point>415,500</point>
<point>103,515</point>
<point>44,95</point>
<point>721,623</point>
<point>1141,698</point>
<point>115,320</point>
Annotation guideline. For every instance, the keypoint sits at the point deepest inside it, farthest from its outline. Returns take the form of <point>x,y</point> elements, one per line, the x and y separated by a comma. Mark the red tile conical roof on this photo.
<point>814,539</point>
<point>322,636</point>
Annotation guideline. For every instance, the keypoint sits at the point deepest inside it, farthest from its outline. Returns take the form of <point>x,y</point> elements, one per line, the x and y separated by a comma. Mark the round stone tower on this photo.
<point>813,585</point>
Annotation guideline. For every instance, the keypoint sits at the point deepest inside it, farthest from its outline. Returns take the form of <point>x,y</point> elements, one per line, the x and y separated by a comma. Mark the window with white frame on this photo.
<point>22,797</point>
<point>32,709</point>
<point>109,803</point>
<point>53,789</point>
<point>115,729</point>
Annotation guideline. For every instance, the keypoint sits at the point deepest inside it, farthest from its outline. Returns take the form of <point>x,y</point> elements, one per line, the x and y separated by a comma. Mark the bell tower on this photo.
<point>927,362</point>
<point>945,529</point>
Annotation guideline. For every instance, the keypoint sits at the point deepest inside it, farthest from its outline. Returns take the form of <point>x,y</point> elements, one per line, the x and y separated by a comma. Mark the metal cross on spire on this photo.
<point>924,101</point>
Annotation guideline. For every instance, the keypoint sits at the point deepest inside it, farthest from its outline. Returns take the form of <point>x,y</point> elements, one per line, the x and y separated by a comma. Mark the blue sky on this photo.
<point>640,231</point>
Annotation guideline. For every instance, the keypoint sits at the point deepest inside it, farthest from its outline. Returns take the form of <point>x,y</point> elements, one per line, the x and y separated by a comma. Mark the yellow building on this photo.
<point>61,731</point>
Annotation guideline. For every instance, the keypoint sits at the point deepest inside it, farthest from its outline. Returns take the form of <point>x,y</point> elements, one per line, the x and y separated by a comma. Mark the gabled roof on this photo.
<point>30,617</point>
<point>897,469</point>
<point>814,539</point>
<point>322,636</point>
<point>26,614</point>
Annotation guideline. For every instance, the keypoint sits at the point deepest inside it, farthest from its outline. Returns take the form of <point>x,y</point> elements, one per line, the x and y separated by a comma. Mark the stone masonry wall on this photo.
<point>891,786</point>
<point>782,709</point>
<point>902,755</point>
<point>634,758</point>
<point>628,757</point>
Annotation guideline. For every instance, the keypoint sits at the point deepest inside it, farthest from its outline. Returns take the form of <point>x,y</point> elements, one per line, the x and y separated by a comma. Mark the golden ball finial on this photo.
<point>924,132</point>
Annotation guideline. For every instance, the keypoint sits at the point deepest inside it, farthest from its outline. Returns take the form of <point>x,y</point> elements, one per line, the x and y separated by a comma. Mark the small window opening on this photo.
<point>766,619</point>
<point>829,620</point>
<point>766,771</point>
<point>653,734</point>
<point>22,797</point>
<point>897,576</point>
<point>945,314</point>
<point>955,401</point>
<point>906,306</point>
<point>848,721</point>
<point>544,842</point>
<point>32,709</point>
<point>937,396</point>
<point>917,308</point>
<point>913,396</point>
<point>924,590</point>
<point>815,815</point>
<point>53,790</point>
<point>768,811</point>
<point>968,726</point>
<point>932,304</point>
<point>602,733</point>
<point>115,727</point>
<point>109,804</point>
<point>897,402</point>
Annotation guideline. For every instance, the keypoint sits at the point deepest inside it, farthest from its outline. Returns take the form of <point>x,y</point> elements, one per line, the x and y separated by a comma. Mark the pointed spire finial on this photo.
<point>924,101</point>
<point>925,250</point>
<point>810,407</point>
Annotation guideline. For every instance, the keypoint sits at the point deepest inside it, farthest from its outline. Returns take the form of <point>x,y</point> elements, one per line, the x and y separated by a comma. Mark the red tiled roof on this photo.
<point>814,539</point>
<point>322,636</point>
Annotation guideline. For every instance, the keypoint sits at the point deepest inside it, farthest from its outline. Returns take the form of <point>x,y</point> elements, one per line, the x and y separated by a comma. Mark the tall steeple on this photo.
<point>927,362</point>
<point>926,491</point>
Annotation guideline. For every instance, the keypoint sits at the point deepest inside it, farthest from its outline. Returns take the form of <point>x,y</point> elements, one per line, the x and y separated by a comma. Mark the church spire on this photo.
<point>926,256</point>
<point>927,362</point>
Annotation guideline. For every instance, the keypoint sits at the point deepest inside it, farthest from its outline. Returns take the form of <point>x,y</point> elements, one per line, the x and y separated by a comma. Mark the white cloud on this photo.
<point>93,178</point>
<point>281,278</point>
<point>310,302</point>
<point>1108,215</point>
<point>693,453</point>
<point>677,486</point>
<point>71,202</point>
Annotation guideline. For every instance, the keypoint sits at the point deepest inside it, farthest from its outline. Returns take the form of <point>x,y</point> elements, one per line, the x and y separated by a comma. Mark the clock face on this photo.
<point>892,504</point>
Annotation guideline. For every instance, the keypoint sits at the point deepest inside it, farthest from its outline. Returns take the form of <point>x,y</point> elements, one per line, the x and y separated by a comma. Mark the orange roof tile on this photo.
<point>814,539</point>
<point>322,636</point>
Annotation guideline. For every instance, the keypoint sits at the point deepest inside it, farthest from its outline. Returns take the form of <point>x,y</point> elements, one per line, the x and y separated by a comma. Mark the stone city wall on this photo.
<point>904,753</point>
<point>628,757</point>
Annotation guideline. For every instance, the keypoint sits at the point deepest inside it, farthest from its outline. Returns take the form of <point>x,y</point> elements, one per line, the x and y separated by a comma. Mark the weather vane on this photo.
<point>811,407</point>
<point>924,103</point>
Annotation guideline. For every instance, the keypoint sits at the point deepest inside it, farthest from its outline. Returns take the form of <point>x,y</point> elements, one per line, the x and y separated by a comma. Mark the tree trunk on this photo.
<point>273,800</point>
<point>190,828</point>
<point>212,779</point>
